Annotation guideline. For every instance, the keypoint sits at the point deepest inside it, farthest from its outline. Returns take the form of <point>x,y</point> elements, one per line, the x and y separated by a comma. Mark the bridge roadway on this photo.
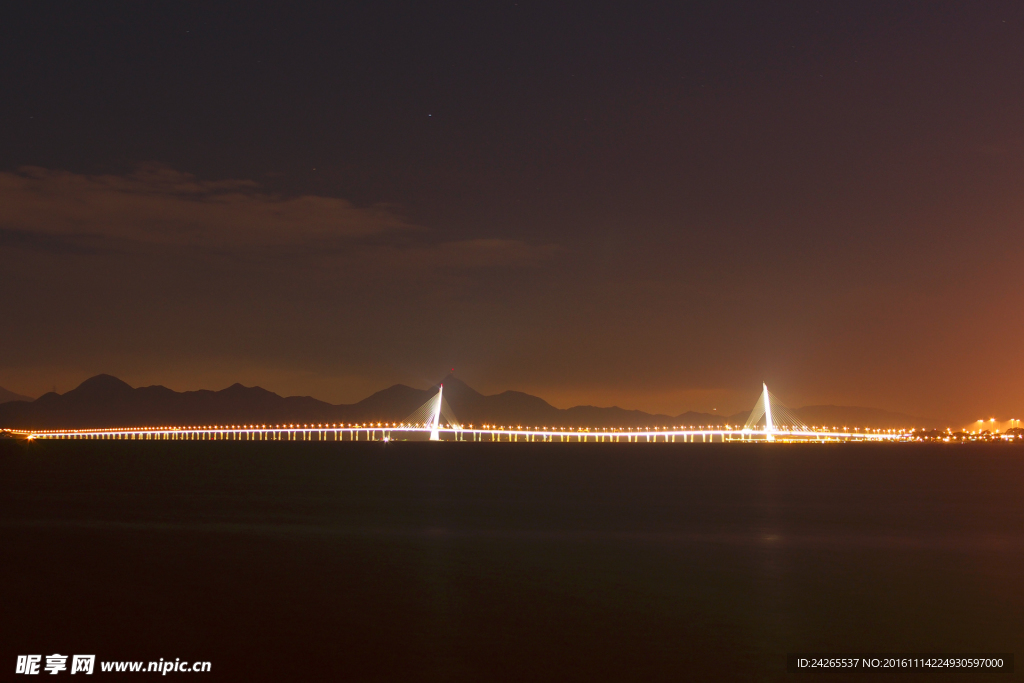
<point>383,432</point>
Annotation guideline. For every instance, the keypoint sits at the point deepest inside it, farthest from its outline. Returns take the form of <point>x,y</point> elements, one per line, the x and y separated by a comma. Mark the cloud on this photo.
<point>158,205</point>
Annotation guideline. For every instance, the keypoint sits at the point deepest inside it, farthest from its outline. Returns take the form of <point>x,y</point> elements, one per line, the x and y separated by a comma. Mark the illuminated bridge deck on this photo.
<point>398,432</point>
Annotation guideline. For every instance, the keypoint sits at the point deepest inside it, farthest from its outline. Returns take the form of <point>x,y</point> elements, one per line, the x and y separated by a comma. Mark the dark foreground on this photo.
<point>512,562</point>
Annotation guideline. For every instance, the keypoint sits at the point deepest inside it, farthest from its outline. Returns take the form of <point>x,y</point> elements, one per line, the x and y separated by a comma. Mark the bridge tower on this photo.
<point>428,416</point>
<point>435,421</point>
<point>768,426</point>
<point>777,417</point>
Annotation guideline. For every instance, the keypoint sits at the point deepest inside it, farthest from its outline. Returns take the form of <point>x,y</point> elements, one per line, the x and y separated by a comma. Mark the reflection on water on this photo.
<point>475,562</point>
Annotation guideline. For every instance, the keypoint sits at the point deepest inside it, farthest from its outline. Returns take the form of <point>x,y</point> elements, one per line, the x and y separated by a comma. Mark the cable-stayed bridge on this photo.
<point>769,421</point>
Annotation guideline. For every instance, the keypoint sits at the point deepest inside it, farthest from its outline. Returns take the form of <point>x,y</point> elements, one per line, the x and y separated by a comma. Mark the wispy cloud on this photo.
<point>159,205</point>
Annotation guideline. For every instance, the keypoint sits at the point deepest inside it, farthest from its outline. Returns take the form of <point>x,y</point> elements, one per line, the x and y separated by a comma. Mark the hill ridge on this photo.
<point>6,395</point>
<point>107,401</point>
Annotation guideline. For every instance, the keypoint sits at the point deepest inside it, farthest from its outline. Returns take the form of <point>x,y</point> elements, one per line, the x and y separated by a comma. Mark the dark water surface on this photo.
<point>525,562</point>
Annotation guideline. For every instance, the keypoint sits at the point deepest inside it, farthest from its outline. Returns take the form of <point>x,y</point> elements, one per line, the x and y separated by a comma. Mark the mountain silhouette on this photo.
<point>852,416</point>
<point>515,408</point>
<point>106,401</point>
<point>7,395</point>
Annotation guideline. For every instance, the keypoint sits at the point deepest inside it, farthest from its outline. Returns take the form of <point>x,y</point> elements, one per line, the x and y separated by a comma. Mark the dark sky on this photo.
<point>655,205</point>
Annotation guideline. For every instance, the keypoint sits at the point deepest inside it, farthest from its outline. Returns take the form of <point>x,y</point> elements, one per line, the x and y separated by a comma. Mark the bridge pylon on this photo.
<point>769,428</point>
<point>778,419</point>
<point>435,420</point>
<point>429,415</point>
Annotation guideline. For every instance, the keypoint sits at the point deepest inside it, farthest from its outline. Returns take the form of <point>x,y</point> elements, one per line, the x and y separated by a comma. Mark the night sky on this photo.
<point>654,205</point>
